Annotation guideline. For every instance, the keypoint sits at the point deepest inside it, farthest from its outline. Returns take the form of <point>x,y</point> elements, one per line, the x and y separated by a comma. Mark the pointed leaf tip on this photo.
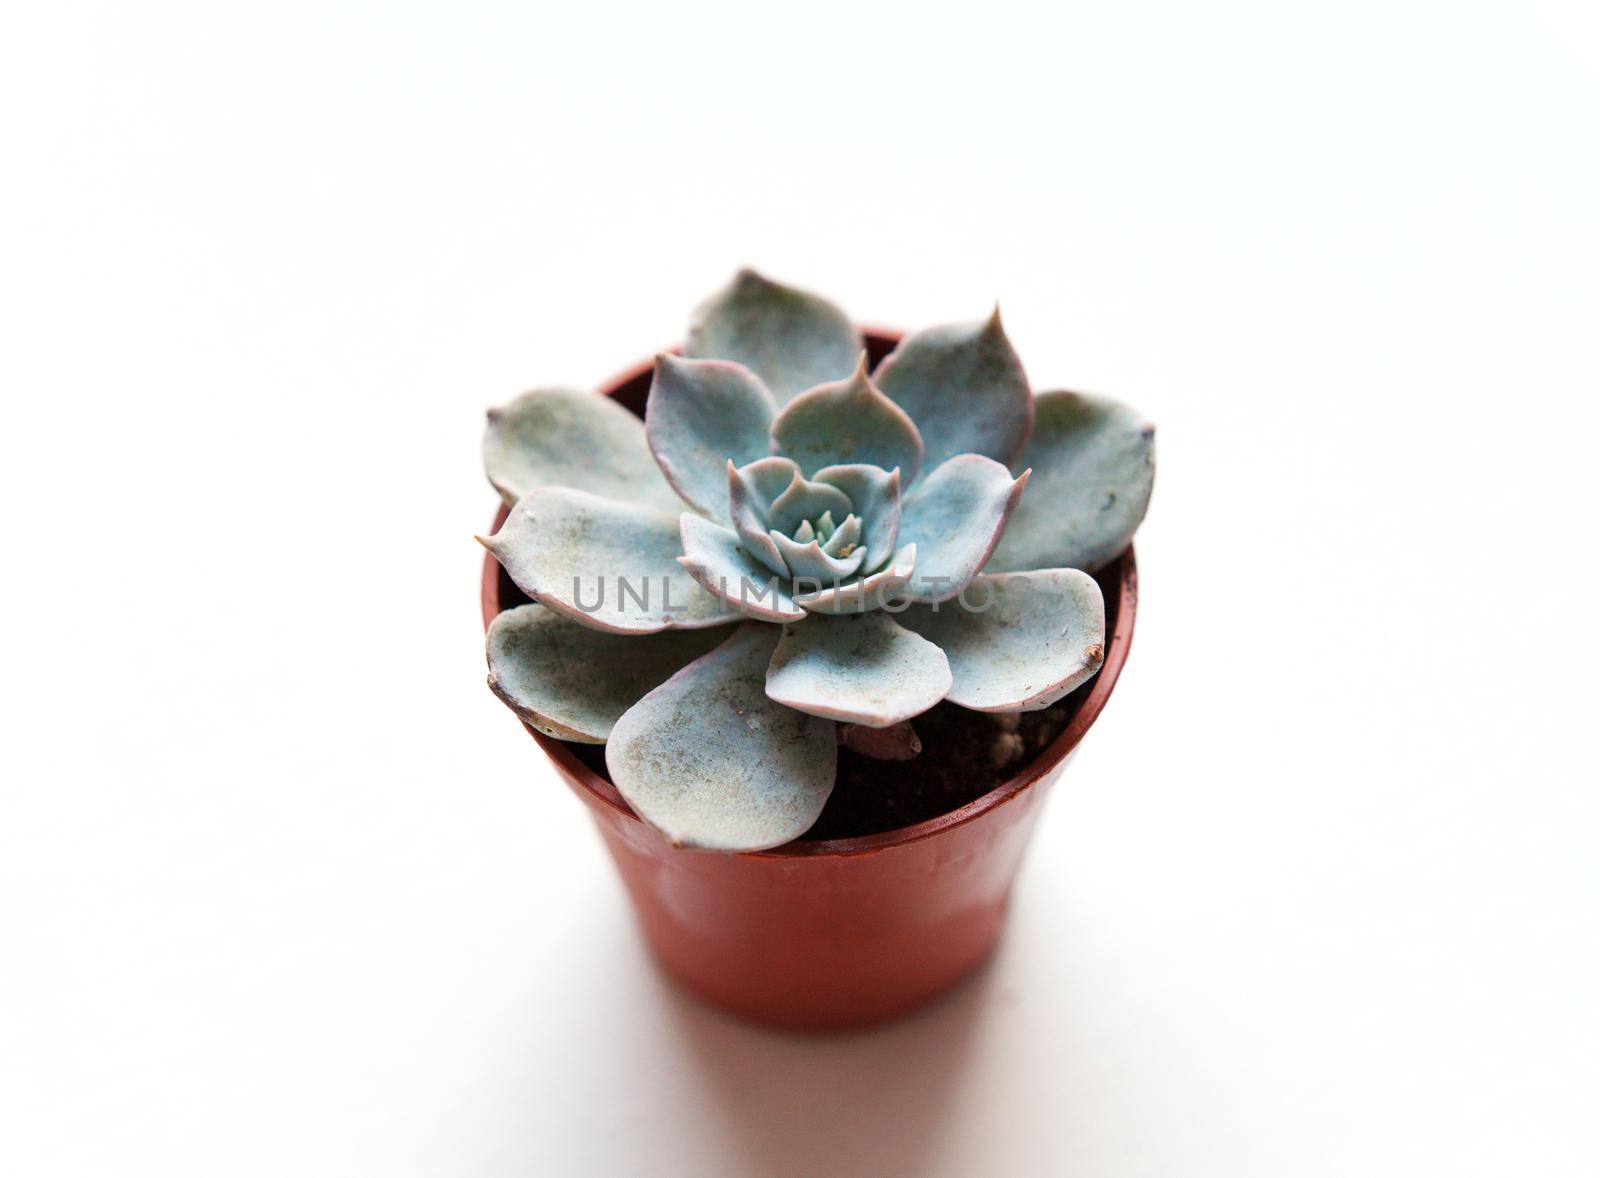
<point>964,386</point>
<point>875,497</point>
<point>791,339</point>
<point>956,517</point>
<point>602,563</point>
<point>847,422</point>
<point>558,437</point>
<point>699,415</point>
<point>715,559</point>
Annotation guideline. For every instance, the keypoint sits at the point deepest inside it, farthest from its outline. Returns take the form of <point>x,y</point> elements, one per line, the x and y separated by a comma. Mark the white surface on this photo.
<point>283,890</point>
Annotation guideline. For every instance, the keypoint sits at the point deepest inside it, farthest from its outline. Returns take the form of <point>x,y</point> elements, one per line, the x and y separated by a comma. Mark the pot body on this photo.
<point>829,939</point>
<point>831,934</point>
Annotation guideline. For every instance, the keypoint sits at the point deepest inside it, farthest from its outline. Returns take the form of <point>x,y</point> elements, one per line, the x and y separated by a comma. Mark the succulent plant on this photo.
<point>788,543</point>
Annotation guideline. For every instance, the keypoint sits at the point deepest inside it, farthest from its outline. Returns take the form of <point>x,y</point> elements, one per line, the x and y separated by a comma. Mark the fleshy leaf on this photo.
<point>848,421</point>
<point>860,668</point>
<point>803,501</point>
<point>710,761</point>
<point>844,539</point>
<point>701,415</point>
<point>751,490</point>
<point>790,339</point>
<point>564,438</point>
<point>1093,465</point>
<point>720,564</point>
<point>543,667</point>
<point>807,561</point>
<point>955,517</point>
<point>964,387</point>
<point>609,565</point>
<point>1017,642</point>
<point>875,493</point>
<point>864,593</point>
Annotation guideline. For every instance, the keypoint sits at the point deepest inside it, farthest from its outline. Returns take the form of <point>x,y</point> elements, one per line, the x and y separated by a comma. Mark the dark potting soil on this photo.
<point>964,755</point>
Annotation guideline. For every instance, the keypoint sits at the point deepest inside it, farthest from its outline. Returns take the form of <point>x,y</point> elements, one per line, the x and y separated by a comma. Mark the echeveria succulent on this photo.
<point>788,542</point>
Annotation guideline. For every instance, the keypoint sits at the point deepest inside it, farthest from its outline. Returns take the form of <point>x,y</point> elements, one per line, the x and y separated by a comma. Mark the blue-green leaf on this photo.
<point>804,501</point>
<point>864,593</point>
<point>701,415</point>
<point>610,565</point>
<point>711,761</point>
<point>875,494</point>
<point>721,565</point>
<point>543,667</point>
<point>790,339</point>
<point>564,438</point>
<point>751,491</point>
<point>848,421</point>
<point>861,668</point>
<point>1094,465</point>
<point>1017,642</point>
<point>964,387</point>
<point>808,562</point>
<point>955,517</point>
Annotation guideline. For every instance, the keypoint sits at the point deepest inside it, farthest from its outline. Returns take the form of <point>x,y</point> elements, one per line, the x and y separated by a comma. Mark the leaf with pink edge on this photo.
<point>711,761</point>
<point>848,421</point>
<point>860,668</point>
<point>566,438</point>
<point>1017,642</point>
<point>955,517</point>
<point>609,565</point>
<point>720,564</point>
<point>542,666</point>
<point>1094,465</point>
<point>701,415</point>
<point>790,339</point>
<point>875,497</point>
<point>864,593</point>
<point>964,387</point>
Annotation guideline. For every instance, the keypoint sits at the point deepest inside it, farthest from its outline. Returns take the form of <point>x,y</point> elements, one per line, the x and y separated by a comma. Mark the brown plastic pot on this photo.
<point>836,933</point>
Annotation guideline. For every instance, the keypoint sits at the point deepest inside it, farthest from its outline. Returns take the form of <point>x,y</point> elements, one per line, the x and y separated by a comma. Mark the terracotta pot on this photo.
<point>837,933</point>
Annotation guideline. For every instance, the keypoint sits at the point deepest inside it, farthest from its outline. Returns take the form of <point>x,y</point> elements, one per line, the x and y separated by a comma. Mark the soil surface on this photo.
<point>964,756</point>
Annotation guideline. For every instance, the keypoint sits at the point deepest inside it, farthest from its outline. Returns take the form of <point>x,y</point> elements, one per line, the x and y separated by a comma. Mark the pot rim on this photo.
<point>1118,644</point>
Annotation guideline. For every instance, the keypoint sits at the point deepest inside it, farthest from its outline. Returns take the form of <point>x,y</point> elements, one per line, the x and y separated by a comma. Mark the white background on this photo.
<point>285,891</point>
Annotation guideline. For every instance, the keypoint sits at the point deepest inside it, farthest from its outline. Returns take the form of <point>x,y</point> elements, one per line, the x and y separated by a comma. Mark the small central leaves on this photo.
<point>803,502</point>
<point>844,539</point>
